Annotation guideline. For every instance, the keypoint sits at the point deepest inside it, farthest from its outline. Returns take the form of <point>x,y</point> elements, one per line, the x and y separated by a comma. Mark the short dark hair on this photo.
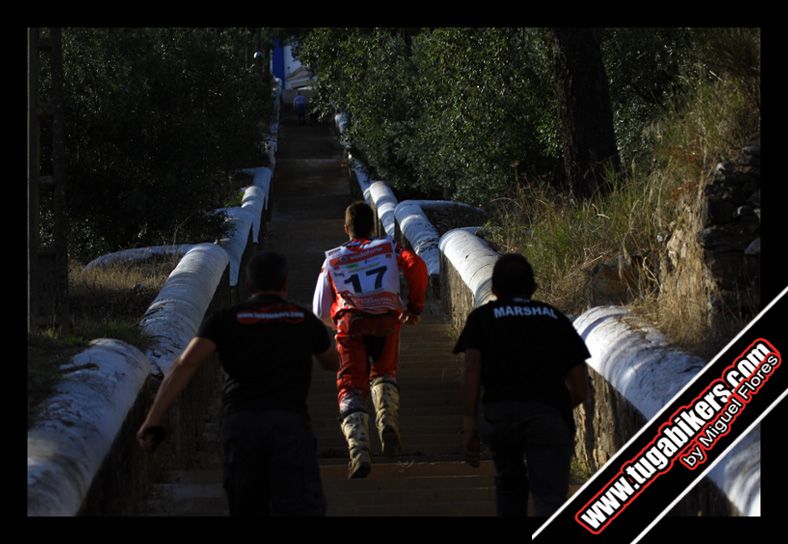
<point>513,276</point>
<point>359,219</point>
<point>266,271</point>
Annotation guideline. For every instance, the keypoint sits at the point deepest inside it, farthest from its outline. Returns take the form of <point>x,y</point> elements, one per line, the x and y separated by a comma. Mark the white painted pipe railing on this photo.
<point>272,138</point>
<point>473,259</point>
<point>254,201</point>
<point>420,232</point>
<point>256,196</point>
<point>381,195</point>
<point>177,312</point>
<point>242,222</point>
<point>77,425</point>
<point>340,120</point>
<point>640,364</point>
<point>138,254</point>
<point>362,178</point>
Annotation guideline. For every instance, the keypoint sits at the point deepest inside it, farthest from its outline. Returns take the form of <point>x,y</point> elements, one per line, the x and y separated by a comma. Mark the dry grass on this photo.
<point>720,120</point>
<point>104,303</point>
<point>564,239</point>
<point>121,292</point>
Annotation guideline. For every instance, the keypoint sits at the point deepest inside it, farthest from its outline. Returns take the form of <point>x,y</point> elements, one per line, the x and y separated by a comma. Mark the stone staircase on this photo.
<point>310,192</point>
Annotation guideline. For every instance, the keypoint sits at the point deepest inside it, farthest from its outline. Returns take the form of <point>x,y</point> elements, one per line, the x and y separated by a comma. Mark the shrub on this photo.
<point>155,118</point>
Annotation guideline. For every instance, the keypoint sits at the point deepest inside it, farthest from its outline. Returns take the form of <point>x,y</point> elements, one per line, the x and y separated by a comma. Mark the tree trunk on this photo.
<point>587,133</point>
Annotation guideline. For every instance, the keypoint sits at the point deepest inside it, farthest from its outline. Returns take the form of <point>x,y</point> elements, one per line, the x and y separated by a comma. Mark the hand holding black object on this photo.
<point>150,437</point>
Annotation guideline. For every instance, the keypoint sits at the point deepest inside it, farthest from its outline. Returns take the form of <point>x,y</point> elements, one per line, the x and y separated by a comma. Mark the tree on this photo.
<point>156,119</point>
<point>442,112</point>
<point>588,137</point>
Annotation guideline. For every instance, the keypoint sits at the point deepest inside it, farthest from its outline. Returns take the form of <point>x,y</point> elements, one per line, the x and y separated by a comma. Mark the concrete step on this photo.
<point>393,471</point>
<point>395,474</point>
<point>430,407</point>
<point>404,489</point>
<point>337,449</point>
<point>212,476</point>
<point>411,489</point>
<point>180,499</point>
<point>453,509</point>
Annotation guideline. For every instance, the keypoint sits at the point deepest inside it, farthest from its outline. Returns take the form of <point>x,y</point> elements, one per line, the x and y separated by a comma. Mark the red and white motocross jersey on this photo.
<point>366,277</point>
<point>363,275</point>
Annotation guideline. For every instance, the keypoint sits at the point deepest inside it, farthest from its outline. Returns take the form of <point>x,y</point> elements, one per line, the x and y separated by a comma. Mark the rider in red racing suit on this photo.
<point>357,293</point>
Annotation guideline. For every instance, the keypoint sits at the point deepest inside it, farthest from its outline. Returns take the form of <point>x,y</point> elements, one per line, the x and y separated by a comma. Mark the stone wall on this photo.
<point>124,476</point>
<point>711,263</point>
<point>730,235</point>
<point>605,422</point>
<point>455,297</point>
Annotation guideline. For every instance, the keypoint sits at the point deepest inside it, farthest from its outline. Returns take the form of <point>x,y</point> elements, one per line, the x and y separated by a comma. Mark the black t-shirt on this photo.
<point>266,346</point>
<point>527,348</point>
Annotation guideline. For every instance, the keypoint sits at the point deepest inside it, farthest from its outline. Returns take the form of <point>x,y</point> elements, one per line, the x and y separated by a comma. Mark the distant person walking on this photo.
<point>300,103</point>
<point>531,363</point>
<point>266,346</point>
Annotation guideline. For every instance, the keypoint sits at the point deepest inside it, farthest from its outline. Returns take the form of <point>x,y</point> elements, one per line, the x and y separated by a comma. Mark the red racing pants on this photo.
<point>368,347</point>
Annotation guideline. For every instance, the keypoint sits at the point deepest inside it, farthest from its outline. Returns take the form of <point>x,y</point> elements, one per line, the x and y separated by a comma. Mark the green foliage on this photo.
<point>643,66</point>
<point>155,118</point>
<point>489,106</point>
<point>453,112</point>
<point>470,113</point>
<point>652,69</point>
<point>367,72</point>
<point>732,54</point>
<point>235,199</point>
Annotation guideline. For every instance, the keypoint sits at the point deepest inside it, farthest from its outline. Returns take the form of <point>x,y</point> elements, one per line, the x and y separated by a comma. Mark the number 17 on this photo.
<point>354,279</point>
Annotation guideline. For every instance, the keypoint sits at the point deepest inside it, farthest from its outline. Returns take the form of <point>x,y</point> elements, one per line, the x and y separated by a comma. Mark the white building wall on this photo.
<point>291,64</point>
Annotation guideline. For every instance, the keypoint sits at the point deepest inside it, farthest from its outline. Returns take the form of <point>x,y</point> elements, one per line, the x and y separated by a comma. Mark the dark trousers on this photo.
<point>539,433</point>
<point>270,464</point>
<point>301,113</point>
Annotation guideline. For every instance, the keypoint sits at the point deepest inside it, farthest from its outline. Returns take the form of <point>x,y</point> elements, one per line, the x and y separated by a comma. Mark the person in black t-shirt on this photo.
<point>530,362</point>
<point>266,346</point>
